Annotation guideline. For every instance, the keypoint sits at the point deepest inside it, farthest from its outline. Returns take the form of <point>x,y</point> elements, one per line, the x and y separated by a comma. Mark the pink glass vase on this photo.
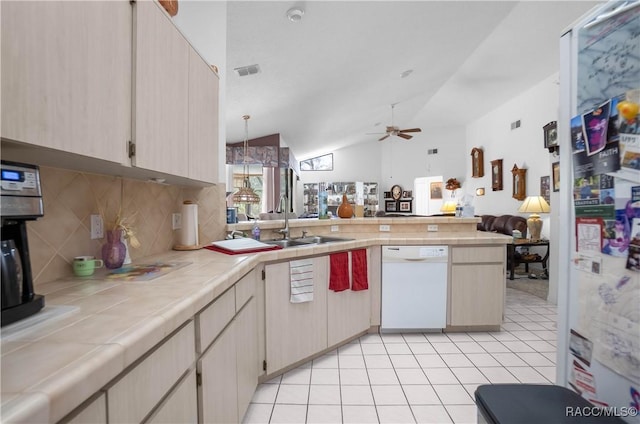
<point>114,251</point>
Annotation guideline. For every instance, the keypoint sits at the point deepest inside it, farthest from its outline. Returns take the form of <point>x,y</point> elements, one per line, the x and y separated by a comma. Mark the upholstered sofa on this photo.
<point>503,224</point>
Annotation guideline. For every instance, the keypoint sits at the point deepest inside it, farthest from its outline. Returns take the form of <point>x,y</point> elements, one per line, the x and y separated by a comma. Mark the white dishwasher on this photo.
<point>414,288</point>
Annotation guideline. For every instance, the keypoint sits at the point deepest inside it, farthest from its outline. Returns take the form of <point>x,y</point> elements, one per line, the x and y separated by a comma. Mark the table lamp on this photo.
<point>534,205</point>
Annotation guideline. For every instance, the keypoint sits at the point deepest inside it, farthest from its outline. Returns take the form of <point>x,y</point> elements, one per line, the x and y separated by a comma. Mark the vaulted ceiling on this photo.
<point>328,80</point>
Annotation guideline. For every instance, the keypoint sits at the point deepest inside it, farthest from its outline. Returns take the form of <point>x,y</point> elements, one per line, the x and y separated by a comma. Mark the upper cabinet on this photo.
<point>88,78</point>
<point>66,76</point>
<point>161,121</point>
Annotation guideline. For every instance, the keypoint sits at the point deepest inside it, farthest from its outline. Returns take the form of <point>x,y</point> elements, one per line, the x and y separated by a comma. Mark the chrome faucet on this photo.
<point>283,206</point>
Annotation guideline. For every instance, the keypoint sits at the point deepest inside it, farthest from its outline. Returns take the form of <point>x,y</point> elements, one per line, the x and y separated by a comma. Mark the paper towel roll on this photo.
<point>189,233</point>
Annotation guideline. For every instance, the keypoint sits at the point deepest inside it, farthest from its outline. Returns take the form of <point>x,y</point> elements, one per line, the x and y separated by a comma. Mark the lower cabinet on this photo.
<point>137,393</point>
<point>294,331</point>
<point>218,391</point>
<point>95,412</point>
<point>478,284</point>
<point>181,406</point>
<point>229,367</point>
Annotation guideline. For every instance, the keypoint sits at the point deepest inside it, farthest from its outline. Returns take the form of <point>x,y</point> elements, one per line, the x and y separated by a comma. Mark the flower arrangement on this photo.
<point>452,184</point>
<point>114,251</point>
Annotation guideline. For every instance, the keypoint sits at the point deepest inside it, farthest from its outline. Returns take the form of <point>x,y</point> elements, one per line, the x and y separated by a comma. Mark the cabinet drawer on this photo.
<point>140,390</point>
<point>212,320</point>
<point>478,254</point>
<point>245,289</point>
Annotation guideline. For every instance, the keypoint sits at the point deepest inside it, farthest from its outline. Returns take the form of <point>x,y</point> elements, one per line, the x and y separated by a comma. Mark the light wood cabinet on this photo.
<point>348,312</point>
<point>203,120</point>
<point>477,288</point>
<point>218,396</point>
<point>66,76</point>
<point>181,406</point>
<point>161,124</point>
<point>95,412</point>
<point>213,318</point>
<point>247,354</point>
<point>135,395</point>
<point>294,331</point>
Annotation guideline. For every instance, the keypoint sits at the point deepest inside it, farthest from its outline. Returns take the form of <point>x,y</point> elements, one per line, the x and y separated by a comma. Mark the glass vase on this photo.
<point>114,251</point>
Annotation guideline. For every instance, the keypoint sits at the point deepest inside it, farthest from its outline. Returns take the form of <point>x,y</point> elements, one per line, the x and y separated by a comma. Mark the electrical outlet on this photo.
<point>97,227</point>
<point>176,221</point>
<point>335,228</point>
<point>385,228</point>
<point>432,227</point>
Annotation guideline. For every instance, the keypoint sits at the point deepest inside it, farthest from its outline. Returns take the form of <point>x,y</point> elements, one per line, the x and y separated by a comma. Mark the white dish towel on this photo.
<point>301,278</point>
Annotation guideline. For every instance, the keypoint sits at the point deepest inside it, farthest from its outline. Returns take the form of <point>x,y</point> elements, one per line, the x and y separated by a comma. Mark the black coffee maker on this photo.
<point>21,201</point>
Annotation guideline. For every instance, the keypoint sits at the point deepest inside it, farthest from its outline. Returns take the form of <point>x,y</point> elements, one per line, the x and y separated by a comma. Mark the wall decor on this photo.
<point>435,190</point>
<point>551,136</point>
<point>396,192</point>
<point>405,206</point>
<point>477,163</point>
<point>390,206</point>
<point>407,194</point>
<point>555,173</point>
<point>519,182</point>
<point>496,175</point>
<point>480,191</point>
<point>545,188</point>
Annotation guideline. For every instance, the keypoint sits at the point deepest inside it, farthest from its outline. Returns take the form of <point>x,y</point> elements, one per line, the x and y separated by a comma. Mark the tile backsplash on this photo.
<point>71,197</point>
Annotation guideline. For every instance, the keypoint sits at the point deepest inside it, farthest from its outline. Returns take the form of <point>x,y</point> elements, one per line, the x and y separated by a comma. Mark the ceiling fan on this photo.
<point>393,130</point>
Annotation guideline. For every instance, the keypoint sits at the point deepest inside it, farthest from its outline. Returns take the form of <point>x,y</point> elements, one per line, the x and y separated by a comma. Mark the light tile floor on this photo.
<point>414,378</point>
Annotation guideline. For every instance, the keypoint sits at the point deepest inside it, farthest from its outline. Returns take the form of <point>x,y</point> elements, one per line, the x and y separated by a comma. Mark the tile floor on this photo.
<point>414,378</point>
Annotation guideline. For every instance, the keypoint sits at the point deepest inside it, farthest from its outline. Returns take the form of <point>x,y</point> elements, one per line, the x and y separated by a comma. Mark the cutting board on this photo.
<point>241,244</point>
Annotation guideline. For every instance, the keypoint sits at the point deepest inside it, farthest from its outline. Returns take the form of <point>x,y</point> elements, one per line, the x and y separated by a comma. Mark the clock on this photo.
<point>396,192</point>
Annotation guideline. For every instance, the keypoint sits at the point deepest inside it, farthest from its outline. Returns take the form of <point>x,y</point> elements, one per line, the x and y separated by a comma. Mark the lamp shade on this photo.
<point>534,204</point>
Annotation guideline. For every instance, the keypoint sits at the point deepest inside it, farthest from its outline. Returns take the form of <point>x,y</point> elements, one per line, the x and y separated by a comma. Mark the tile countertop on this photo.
<point>97,326</point>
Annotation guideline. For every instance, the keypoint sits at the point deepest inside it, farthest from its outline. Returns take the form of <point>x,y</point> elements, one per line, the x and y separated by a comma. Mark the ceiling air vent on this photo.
<point>243,71</point>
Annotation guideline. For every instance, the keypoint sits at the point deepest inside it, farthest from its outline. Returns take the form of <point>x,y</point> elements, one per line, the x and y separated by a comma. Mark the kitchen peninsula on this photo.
<point>122,350</point>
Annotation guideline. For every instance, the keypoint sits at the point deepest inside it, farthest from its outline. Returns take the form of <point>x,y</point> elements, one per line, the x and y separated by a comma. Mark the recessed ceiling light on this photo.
<point>294,14</point>
<point>406,73</point>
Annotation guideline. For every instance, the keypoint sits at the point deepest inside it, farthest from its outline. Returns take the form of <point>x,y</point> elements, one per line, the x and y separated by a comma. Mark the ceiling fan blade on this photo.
<point>411,130</point>
<point>386,136</point>
<point>405,136</point>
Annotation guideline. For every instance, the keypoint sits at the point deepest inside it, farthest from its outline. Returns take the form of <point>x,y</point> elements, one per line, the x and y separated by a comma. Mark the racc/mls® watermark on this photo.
<point>596,411</point>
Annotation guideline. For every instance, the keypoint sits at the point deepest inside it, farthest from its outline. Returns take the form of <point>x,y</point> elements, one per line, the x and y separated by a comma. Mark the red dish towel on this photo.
<point>359,270</point>
<point>339,271</point>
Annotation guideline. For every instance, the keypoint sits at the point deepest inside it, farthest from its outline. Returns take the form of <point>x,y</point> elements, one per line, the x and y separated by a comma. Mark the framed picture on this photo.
<point>405,206</point>
<point>545,188</point>
<point>387,195</point>
<point>435,190</point>
<point>396,192</point>
<point>555,175</point>
<point>477,163</point>
<point>519,183</point>
<point>496,175</point>
<point>407,194</point>
<point>551,136</point>
<point>390,206</point>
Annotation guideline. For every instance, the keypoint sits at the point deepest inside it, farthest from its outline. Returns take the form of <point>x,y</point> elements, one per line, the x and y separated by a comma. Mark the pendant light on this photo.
<point>246,193</point>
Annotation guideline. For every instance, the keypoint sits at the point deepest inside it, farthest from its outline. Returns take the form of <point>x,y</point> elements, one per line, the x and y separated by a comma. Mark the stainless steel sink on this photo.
<point>305,241</point>
<point>287,243</point>
<point>321,239</point>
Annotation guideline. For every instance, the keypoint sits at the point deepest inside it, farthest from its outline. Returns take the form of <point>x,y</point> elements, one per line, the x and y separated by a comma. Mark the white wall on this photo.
<point>204,23</point>
<point>523,146</point>
<point>397,161</point>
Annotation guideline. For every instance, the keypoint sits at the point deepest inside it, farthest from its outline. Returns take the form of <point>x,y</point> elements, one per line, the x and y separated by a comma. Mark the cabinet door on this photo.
<point>66,76</point>
<point>294,331</point>
<point>95,413</point>
<point>218,396</point>
<point>181,406</point>
<point>138,392</point>
<point>247,354</point>
<point>203,120</point>
<point>477,294</point>
<point>161,100</point>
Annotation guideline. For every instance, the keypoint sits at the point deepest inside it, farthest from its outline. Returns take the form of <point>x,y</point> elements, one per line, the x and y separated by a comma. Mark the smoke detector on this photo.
<point>294,14</point>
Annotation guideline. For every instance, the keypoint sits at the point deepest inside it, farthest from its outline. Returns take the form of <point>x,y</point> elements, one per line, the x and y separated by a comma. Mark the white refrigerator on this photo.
<point>599,221</point>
